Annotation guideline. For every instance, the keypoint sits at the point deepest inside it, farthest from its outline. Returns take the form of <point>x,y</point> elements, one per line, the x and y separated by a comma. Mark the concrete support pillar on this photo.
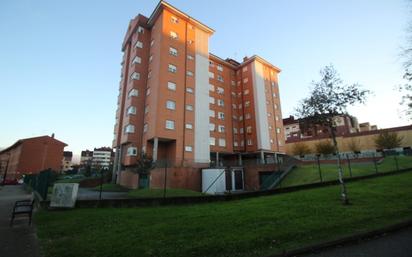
<point>217,159</point>
<point>240,163</point>
<point>155,146</point>
<point>262,157</point>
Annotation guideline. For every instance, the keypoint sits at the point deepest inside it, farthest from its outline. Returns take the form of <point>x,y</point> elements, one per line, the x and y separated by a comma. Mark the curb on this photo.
<point>344,240</point>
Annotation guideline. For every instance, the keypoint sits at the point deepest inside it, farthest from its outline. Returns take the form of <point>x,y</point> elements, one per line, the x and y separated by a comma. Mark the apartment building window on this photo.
<point>191,27</point>
<point>234,106</point>
<point>275,105</point>
<point>269,114</point>
<point>211,64</point>
<point>276,117</point>
<point>240,117</point>
<point>274,94</point>
<point>137,59</point>
<point>267,102</point>
<point>244,69</point>
<point>135,76</point>
<point>271,141</point>
<point>278,130</point>
<point>279,143</point>
<point>173,19</point>
<point>189,126</point>
<point>235,144</point>
<point>173,35</point>
<point>189,73</point>
<point>246,92</point>
<point>140,29</point>
<point>146,109</point>
<point>240,106</point>
<point>234,130</point>
<point>189,90</point>
<point>129,128</point>
<point>131,110</point>
<point>211,100</point>
<point>170,124</point>
<point>211,88</point>
<point>132,151</point>
<point>171,105</point>
<point>188,148</point>
<point>245,80</point>
<point>212,141</point>
<point>249,129</point>
<point>211,75</point>
<point>233,83</point>
<point>211,127</point>
<point>133,92</point>
<point>247,104</point>
<point>139,44</point>
<point>249,142</point>
<point>221,129</point>
<point>222,142</point>
<point>220,91</point>
<point>234,117</point>
<point>145,127</point>
<point>220,102</point>
<point>171,85</point>
<point>149,75</point>
<point>190,42</point>
<point>152,42</point>
<point>211,113</point>
<point>220,78</point>
<point>242,143</point>
<point>247,116</point>
<point>190,57</point>
<point>221,115</point>
<point>189,107</point>
<point>172,68</point>
<point>241,130</point>
<point>219,67</point>
<point>273,84</point>
<point>148,91</point>
<point>270,127</point>
<point>150,58</point>
<point>172,51</point>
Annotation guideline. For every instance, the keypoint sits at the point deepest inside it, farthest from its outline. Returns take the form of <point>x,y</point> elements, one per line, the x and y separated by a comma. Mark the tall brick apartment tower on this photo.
<point>177,102</point>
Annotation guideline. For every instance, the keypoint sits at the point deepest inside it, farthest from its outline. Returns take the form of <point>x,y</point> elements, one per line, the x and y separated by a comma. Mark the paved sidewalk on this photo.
<point>19,240</point>
<point>89,194</point>
<point>394,244</point>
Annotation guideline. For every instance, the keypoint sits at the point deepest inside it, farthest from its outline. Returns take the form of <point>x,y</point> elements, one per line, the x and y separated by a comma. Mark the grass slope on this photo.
<point>305,174</point>
<point>251,227</point>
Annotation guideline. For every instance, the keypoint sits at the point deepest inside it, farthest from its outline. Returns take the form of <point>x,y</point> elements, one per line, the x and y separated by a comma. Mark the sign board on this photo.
<point>64,195</point>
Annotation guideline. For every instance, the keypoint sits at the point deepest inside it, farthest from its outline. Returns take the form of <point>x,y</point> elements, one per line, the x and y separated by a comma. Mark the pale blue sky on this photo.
<point>60,60</point>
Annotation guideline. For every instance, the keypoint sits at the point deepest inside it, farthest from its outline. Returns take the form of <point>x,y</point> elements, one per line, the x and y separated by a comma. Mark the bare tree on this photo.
<point>330,98</point>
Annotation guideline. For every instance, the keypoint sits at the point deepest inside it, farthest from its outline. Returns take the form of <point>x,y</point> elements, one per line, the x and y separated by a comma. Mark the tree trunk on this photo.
<point>344,195</point>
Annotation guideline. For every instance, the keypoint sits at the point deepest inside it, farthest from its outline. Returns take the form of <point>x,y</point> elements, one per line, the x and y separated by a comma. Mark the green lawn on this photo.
<point>112,188</point>
<point>305,174</point>
<point>251,227</point>
<point>152,193</point>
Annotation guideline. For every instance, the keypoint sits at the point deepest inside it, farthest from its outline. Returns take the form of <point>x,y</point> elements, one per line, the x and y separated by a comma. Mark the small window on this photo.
<point>221,103</point>
<point>211,100</point>
<point>249,129</point>
<point>148,91</point>
<point>275,105</point>
<point>190,57</point>
<point>189,126</point>
<point>172,51</point>
<point>235,144</point>
<point>135,76</point>
<point>221,129</point>
<point>244,69</point>
<point>220,91</point>
<point>221,115</point>
<point>241,130</point>
<point>234,130</point>
<point>174,19</point>
<point>172,68</point>
<point>152,42</point>
<point>136,60</point>
<point>145,127</point>
<point>170,124</point>
<point>247,104</point>
<point>249,142</point>
<point>211,75</point>
<point>171,86</point>
<point>240,117</point>
<point>188,148</point>
<point>211,113</point>
<point>140,29</point>
<point>211,64</point>
<point>245,80</point>
<point>171,105</point>
<point>189,90</point>
<point>131,110</point>
<point>150,58</point>
<point>189,73</point>
<point>211,88</point>
<point>278,130</point>
<point>133,92</point>
<point>233,83</point>
<point>173,35</point>
<point>132,151</point>
<point>276,117</point>
<point>212,141</point>
<point>219,67</point>
<point>222,142</point>
<point>129,128</point>
<point>190,42</point>
<point>211,127</point>
<point>247,116</point>
<point>269,114</point>
<point>189,107</point>
<point>149,75</point>
<point>246,92</point>
<point>234,106</point>
<point>139,44</point>
<point>220,78</point>
<point>146,109</point>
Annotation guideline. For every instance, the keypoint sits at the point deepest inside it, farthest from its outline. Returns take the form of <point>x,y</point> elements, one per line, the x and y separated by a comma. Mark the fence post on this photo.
<point>319,170</point>
<point>396,163</point>
<point>374,162</point>
<point>349,166</point>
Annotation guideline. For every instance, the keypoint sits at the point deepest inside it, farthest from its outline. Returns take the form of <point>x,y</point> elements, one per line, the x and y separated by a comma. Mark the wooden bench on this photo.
<point>23,207</point>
